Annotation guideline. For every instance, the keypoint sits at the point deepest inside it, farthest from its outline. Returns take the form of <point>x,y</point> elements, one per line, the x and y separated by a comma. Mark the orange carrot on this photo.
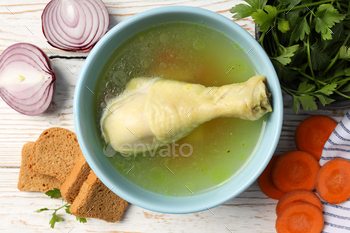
<point>266,183</point>
<point>313,132</point>
<point>333,181</point>
<point>297,196</point>
<point>295,170</point>
<point>300,217</point>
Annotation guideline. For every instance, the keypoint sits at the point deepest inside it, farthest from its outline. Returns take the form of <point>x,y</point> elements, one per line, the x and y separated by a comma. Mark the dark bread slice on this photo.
<point>96,200</point>
<point>80,172</point>
<point>31,181</point>
<point>55,153</point>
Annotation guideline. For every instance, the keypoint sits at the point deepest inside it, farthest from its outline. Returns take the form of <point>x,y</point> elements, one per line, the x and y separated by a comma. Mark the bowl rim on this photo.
<point>218,197</point>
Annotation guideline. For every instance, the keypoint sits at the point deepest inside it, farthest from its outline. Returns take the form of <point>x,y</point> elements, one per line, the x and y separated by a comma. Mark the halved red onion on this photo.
<point>26,79</point>
<point>74,25</point>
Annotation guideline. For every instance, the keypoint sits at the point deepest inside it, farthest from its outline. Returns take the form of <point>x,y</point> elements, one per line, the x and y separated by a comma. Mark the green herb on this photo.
<point>54,194</point>
<point>308,44</point>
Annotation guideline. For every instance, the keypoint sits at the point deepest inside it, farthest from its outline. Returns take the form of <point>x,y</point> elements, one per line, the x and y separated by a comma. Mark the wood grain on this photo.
<point>251,211</point>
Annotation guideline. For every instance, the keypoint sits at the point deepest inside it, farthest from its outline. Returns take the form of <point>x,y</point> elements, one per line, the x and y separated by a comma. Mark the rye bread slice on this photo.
<point>31,181</point>
<point>55,153</point>
<point>95,200</point>
<point>71,187</point>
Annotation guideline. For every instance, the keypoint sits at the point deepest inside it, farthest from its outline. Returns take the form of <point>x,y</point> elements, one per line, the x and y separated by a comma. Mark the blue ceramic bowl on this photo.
<point>88,134</point>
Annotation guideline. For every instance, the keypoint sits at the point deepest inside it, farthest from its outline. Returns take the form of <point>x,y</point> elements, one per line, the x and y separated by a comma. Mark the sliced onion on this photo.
<point>26,79</point>
<point>74,25</point>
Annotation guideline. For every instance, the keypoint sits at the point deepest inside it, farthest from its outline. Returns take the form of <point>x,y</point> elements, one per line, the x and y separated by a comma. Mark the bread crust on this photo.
<point>96,200</point>
<point>55,153</point>
<point>71,186</point>
<point>31,181</point>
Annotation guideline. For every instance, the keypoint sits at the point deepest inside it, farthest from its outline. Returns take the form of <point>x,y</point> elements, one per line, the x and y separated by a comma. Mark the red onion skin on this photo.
<point>77,49</point>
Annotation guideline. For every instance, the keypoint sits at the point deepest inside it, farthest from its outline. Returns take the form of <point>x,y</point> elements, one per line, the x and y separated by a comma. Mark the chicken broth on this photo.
<point>217,150</point>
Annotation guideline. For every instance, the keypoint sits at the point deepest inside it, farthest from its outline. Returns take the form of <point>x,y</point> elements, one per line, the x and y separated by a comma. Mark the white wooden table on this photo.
<point>20,21</point>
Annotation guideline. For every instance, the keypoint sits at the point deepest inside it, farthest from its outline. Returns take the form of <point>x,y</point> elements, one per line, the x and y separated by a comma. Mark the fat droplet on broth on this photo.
<point>120,78</point>
<point>145,64</point>
<point>108,97</point>
<point>164,37</point>
<point>198,45</point>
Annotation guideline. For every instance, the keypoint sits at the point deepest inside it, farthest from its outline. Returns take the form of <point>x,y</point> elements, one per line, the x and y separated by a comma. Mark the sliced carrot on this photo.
<point>295,170</point>
<point>296,196</point>
<point>333,181</point>
<point>300,217</point>
<point>313,132</point>
<point>266,183</point>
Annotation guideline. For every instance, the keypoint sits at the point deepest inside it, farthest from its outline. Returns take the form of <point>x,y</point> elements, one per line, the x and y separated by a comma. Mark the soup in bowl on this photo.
<point>182,57</point>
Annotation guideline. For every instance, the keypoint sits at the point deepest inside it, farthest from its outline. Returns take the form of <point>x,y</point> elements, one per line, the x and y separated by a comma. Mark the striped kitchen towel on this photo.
<point>337,217</point>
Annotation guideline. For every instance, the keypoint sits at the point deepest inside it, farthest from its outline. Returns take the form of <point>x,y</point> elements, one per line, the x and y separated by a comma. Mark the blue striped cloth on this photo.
<point>337,217</point>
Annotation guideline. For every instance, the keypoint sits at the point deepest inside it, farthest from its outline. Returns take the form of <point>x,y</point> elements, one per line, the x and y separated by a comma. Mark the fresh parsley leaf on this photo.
<point>319,59</point>
<point>305,87</point>
<point>324,100</point>
<point>328,89</point>
<point>296,104</point>
<point>344,52</point>
<point>54,219</point>
<point>308,102</point>
<point>301,29</point>
<point>41,210</point>
<point>326,17</point>
<point>284,72</point>
<point>68,209</point>
<point>265,18</point>
<point>338,32</point>
<point>81,220</point>
<point>243,10</point>
<point>290,3</point>
<point>286,53</point>
<point>283,25</point>
<point>53,193</point>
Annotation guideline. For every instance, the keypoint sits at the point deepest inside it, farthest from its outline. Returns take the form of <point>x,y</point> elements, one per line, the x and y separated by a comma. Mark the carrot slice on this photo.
<point>300,217</point>
<point>296,196</point>
<point>295,170</point>
<point>333,181</point>
<point>266,184</point>
<point>313,132</point>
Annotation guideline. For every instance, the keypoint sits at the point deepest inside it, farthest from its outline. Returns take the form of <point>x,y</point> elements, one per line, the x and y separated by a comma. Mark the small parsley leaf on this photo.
<point>68,209</point>
<point>308,102</point>
<point>344,53</point>
<point>243,10</point>
<point>53,193</point>
<point>305,87</point>
<point>319,59</point>
<point>328,89</point>
<point>290,3</point>
<point>54,219</point>
<point>286,53</point>
<point>301,29</point>
<point>324,99</point>
<point>265,18</point>
<point>41,210</point>
<point>326,17</point>
<point>81,220</point>
<point>283,25</point>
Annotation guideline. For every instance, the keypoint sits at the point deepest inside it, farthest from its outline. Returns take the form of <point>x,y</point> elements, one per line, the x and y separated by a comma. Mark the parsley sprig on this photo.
<point>55,193</point>
<point>308,44</point>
